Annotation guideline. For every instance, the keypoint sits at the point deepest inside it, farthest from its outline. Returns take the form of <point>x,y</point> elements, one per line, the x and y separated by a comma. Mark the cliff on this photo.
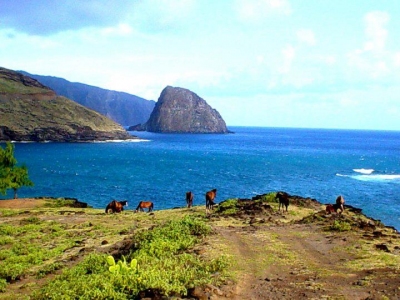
<point>179,110</point>
<point>31,111</point>
<point>123,108</point>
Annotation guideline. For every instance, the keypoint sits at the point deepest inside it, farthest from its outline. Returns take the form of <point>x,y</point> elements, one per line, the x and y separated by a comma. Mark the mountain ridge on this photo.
<point>123,108</point>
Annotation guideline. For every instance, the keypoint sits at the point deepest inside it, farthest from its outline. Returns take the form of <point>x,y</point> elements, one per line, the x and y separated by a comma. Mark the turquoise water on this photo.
<point>363,166</point>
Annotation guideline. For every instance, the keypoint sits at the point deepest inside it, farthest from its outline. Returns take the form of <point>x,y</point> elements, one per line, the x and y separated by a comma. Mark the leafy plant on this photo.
<point>168,268</point>
<point>3,285</point>
<point>228,207</point>
<point>121,267</point>
<point>340,226</point>
<point>269,198</point>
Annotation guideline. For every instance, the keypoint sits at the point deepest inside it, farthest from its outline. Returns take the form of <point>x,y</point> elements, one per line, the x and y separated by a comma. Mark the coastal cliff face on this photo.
<point>123,108</point>
<point>179,110</point>
<point>31,111</point>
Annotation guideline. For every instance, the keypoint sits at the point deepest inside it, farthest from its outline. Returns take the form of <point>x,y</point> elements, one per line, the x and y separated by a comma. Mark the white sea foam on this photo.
<point>364,171</point>
<point>341,175</point>
<point>384,177</point>
<point>374,177</point>
<point>123,141</point>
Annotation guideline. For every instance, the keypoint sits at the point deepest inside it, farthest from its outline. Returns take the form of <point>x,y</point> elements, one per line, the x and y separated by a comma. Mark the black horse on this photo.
<point>189,199</point>
<point>283,200</point>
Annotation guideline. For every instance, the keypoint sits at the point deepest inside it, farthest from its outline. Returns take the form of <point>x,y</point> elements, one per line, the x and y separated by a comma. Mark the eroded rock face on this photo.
<point>179,110</point>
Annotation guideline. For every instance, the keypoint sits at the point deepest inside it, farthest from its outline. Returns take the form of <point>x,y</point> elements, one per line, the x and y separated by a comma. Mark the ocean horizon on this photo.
<point>361,165</point>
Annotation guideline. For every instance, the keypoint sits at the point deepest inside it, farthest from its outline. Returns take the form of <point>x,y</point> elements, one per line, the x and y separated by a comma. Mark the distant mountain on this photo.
<point>30,111</point>
<point>179,110</point>
<point>123,108</point>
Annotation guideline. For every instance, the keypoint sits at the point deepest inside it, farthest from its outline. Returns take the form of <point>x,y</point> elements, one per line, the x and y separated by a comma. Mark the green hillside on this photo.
<point>33,112</point>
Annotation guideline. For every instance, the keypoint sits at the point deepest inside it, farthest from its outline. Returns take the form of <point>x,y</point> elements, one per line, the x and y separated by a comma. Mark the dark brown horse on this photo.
<point>330,209</point>
<point>116,206</point>
<point>145,204</point>
<point>189,199</point>
<point>339,204</point>
<point>210,196</point>
<point>283,200</point>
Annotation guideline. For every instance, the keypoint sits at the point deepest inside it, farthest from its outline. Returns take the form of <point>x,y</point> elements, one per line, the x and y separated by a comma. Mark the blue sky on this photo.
<point>275,63</point>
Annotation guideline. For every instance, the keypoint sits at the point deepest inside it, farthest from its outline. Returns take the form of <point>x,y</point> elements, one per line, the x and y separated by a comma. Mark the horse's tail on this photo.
<point>110,205</point>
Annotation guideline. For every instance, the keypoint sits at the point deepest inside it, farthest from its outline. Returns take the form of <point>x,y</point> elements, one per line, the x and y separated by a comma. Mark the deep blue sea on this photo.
<point>363,166</point>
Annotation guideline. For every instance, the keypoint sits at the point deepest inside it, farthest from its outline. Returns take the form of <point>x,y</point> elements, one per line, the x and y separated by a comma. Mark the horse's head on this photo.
<point>124,203</point>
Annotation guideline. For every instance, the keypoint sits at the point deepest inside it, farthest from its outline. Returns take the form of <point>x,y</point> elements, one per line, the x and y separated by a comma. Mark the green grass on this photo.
<point>163,265</point>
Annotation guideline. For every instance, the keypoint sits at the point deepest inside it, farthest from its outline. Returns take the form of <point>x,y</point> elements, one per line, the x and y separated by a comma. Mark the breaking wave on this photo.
<point>366,175</point>
<point>364,171</point>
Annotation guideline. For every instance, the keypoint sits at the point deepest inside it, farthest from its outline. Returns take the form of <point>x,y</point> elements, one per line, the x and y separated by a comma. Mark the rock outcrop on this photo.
<point>179,110</point>
<point>31,111</point>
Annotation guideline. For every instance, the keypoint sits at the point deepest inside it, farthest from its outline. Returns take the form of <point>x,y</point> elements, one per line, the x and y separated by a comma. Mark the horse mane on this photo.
<point>140,203</point>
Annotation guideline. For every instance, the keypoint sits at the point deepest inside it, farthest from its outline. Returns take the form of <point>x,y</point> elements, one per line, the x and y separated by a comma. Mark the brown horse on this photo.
<point>116,206</point>
<point>145,204</point>
<point>189,199</point>
<point>210,196</point>
<point>339,203</point>
<point>283,200</point>
<point>330,209</point>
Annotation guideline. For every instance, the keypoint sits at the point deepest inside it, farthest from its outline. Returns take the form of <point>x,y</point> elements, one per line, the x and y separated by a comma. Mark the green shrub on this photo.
<point>3,285</point>
<point>269,198</point>
<point>340,226</point>
<point>228,207</point>
<point>164,265</point>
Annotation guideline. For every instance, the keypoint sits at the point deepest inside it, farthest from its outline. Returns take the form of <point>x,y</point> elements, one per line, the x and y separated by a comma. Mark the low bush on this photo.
<point>158,262</point>
<point>340,226</point>
<point>269,198</point>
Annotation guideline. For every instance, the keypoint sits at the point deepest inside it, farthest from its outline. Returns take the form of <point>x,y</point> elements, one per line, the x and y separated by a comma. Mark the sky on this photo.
<point>271,63</point>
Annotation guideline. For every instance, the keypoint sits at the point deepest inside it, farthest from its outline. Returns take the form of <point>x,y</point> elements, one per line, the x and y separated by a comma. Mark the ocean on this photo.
<point>363,166</point>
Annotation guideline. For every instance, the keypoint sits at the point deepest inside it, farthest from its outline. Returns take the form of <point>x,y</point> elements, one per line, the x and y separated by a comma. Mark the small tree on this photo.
<point>11,175</point>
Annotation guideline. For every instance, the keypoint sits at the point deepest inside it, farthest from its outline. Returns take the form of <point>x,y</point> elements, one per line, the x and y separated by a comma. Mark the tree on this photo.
<point>11,175</point>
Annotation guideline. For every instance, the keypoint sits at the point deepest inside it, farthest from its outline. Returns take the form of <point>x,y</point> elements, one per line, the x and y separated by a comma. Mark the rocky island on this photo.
<point>31,111</point>
<point>179,110</point>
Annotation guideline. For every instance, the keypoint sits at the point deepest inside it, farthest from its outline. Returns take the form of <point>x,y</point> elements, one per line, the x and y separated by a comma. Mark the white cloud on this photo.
<point>159,15</point>
<point>375,31</point>
<point>256,10</point>
<point>396,59</point>
<point>121,30</point>
<point>288,55</point>
<point>372,59</point>
<point>306,36</point>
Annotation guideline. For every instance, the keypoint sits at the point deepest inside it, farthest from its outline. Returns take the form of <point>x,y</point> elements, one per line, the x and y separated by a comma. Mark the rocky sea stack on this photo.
<point>31,111</point>
<point>179,110</point>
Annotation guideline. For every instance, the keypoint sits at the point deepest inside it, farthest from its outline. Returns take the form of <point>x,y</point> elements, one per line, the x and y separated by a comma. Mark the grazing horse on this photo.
<point>283,200</point>
<point>189,199</point>
<point>339,203</point>
<point>210,196</point>
<point>145,204</point>
<point>330,209</point>
<point>116,206</point>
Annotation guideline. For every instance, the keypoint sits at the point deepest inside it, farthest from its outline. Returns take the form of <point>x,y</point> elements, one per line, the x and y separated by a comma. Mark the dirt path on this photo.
<point>301,262</point>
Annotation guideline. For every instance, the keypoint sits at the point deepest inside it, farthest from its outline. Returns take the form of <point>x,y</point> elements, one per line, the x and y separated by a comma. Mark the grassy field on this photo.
<point>242,250</point>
